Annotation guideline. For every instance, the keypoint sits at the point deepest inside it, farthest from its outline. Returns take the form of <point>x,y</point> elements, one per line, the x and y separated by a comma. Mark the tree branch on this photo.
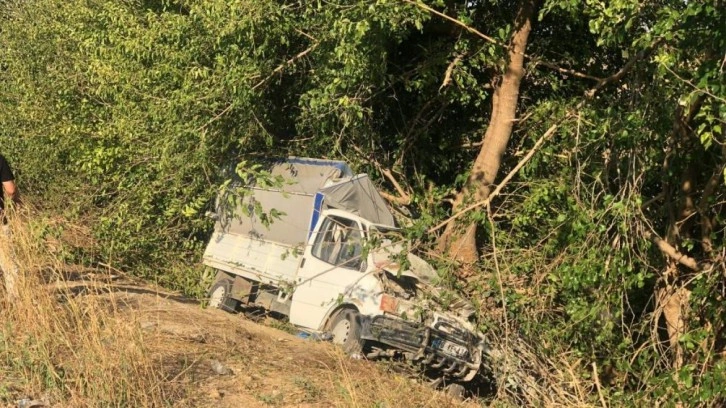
<point>457,22</point>
<point>267,78</point>
<point>285,64</point>
<point>567,71</point>
<point>506,179</point>
<point>395,199</point>
<point>217,116</point>
<point>696,88</point>
<point>450,71</point>
<point>497,42</point>
<point>673,253</point>
<point>625,69</point>
<point>404,198</point>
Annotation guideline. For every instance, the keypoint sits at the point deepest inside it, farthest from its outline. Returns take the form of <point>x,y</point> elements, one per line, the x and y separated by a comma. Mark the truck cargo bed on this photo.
<point>264,261</point>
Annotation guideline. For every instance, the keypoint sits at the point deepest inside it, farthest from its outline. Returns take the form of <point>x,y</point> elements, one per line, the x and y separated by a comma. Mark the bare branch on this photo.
<point>567,71</point>
<point>404,198</point>
<point>395,199</point>
<point>625,69</point>
<point>697,89</point>
<point>673,253</point>
<point>450,71</point>
<point>217,116</point>
<point>285,64</point>
<point>457,22</point>
<point>506,179</point>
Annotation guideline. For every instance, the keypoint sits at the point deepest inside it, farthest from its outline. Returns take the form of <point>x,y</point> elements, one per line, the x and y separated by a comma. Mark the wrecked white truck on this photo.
<point>315,264</point>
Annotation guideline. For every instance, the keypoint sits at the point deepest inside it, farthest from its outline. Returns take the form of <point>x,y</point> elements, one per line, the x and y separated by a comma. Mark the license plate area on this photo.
<point>449,347</point>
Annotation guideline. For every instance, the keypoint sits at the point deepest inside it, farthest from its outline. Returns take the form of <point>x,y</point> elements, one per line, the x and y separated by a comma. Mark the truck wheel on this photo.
<point>345,328</point>
<point>219,296</point>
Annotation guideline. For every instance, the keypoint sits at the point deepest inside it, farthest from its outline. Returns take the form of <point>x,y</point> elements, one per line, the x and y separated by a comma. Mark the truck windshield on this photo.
<point>339,242</point>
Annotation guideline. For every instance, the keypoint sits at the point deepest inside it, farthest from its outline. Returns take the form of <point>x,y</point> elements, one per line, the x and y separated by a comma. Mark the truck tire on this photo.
<point>345,327</point>
<point>219,296</point>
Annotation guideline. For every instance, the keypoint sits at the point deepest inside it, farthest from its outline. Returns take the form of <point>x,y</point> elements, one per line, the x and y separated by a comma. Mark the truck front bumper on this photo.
<point>443,345</point>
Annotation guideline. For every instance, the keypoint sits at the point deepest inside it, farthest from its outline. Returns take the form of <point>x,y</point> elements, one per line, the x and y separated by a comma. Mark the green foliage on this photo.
<point>131,113</point>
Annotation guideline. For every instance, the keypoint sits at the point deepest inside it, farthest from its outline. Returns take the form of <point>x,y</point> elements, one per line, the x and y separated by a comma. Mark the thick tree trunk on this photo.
<point>459,238</point>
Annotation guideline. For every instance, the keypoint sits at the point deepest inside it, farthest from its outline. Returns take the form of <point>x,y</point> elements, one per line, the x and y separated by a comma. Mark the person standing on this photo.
<point>7,259</point>
<point>8,181</point>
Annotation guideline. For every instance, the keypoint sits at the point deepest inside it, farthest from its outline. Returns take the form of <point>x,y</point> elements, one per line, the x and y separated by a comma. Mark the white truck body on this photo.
<point>312,261</point>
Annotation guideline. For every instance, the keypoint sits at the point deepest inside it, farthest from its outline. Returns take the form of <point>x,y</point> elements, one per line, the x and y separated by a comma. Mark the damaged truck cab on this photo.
<point>327,263</point>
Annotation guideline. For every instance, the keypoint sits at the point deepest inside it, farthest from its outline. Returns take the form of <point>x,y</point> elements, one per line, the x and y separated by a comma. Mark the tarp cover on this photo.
<point>359,196</point>
<point>303,179</point>
<point>307,176</point>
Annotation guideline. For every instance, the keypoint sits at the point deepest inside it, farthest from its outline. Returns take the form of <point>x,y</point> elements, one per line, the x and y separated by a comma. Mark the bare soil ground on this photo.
<point>211,358</point>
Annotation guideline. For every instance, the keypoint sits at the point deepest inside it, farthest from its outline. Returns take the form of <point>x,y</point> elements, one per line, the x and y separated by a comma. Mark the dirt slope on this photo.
<point>215,359</point>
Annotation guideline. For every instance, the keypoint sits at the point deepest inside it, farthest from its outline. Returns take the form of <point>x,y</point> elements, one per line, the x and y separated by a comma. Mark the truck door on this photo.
<point>330,270</point>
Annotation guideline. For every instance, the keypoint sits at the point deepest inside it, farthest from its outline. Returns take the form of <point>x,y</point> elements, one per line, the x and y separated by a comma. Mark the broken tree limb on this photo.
<point>404,198</point>
<point>450,71</point>
<point>395,199</point>
<point>673,253</point>
<point>506,179</point>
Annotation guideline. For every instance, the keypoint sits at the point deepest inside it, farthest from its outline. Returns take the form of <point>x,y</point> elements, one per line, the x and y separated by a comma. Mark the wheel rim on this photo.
<point>217,296</point>
<point>340,331</point>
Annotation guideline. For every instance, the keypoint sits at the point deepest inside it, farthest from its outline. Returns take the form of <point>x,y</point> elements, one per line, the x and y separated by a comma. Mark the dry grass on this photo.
<point>61,348</point>
<point>363,385</point>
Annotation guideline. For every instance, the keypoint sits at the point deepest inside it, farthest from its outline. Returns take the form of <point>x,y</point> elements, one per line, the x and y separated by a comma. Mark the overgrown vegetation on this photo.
<point>602,257</point>
<point>58,347</point>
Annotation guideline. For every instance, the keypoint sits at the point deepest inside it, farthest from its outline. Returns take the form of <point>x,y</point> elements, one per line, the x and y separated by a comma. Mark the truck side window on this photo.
<point>339,242</point>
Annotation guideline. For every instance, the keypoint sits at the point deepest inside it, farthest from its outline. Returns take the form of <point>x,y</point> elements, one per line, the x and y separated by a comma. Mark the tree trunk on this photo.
<point>672,296</point>
<point>459,238</point>
<point>674,302</point>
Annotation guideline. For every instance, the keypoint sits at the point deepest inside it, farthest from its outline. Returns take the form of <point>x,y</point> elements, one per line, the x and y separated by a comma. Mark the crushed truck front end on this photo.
<point>415,318</point>
<point>444,344</point>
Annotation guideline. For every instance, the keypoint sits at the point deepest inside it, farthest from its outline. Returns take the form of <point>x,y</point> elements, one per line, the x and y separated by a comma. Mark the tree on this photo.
<point>460,240</point>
